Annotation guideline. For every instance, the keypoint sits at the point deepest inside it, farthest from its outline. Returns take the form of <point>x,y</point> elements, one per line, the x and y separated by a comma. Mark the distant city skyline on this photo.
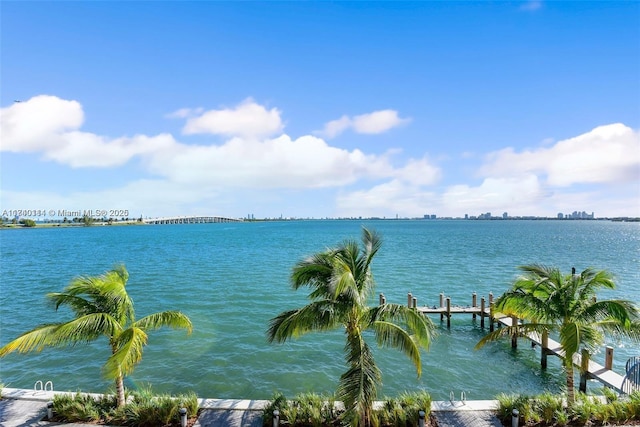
<point>321,109</point>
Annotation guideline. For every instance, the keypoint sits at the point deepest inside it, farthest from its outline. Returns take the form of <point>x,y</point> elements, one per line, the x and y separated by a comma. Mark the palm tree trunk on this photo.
<point>571,396</point>
<point>120,391</point>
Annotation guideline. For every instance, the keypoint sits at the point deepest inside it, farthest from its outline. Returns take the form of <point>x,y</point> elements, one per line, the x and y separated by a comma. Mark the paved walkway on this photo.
<point>467,419</point>
<point>29,413</point>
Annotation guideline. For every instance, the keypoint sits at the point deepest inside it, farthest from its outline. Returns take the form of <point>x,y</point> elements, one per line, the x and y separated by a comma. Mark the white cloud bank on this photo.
<point>247,119</point>
<point>597,170</point>
<point>371,123</point>
<point>531,182</point>
<point>250,158</point>
<point>607,154</point>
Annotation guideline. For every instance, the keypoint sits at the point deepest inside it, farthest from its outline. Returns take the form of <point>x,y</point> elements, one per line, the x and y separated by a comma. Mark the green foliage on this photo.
<point>81,407</point>
<point>28,222</point>
<point>341,284</point>
<point>508,402</point>
<point>314,410</point>
<point>306,409</point>
<point>546,406</point>
<point>102,308</point>
<point>403,411</point>
<point>550,301</point>
<point>549,410</point>
<point>87,220</point>
<point>142,410</point>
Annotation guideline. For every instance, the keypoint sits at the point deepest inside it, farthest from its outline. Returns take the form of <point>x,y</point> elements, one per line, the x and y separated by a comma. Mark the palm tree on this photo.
<point>341,284</point>
<point>565,304</point>
<point>102,307</point>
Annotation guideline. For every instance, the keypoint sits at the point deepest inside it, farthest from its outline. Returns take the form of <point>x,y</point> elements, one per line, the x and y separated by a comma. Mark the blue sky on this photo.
<point>321,109</point>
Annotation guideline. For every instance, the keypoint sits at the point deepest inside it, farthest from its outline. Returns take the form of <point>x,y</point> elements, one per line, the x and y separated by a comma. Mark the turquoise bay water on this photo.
<point>232,278</point>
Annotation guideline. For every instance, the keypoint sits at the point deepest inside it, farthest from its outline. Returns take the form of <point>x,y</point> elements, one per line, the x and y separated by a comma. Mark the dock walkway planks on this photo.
<point>594,370</point>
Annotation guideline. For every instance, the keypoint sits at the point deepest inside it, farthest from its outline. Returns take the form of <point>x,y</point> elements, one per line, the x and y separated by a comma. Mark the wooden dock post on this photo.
<point>474,303</point>
<point>415,302</point>
<point>491,319</point>
<point>608,359</point>
<point>383,299</point>
<point>584,370</point>
<point>448,312</point>
<point>544,349</point>
<point>409,299</point>
<point>481,312</point>
<point>441,305</point>
<point>514,336</point>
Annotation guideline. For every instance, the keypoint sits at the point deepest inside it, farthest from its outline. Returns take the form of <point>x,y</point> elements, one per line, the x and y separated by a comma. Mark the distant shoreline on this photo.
<point>9,226</point>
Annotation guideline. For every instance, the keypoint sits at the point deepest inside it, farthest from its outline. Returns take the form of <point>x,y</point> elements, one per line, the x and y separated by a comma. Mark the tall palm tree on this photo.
<point>565,304</point>
<point>102,307</point>
<point>341,285</point>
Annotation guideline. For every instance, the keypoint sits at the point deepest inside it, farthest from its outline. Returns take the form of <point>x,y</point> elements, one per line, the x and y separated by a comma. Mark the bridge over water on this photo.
<point>189,220</point>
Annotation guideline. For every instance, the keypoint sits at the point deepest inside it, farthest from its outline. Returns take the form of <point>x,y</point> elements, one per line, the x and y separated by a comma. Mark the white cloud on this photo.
<point>336,127</point>
<point>49,125</point>
<point>248,119</point>
<point>606,154</point>
<point>307,162</point>
<point>496,195</point>
<point>183,113</point>
<point>212,176</point>
<point>372,123</point>
<point>36,124</point>
<point>419,172</point>
<point>388,199</point>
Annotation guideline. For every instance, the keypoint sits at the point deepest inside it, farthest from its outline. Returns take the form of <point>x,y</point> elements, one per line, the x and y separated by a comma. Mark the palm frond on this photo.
<point>390,335</point>
<point>82,329</point>
<point>33,340</point>
<point>129,345</point>
<point>570,340</point>
<point>417,324</point>
<point>520,330</point>
<point>316,316</point>
<point>171,319</point>
<point>78,304</point>
<point>87,328</point>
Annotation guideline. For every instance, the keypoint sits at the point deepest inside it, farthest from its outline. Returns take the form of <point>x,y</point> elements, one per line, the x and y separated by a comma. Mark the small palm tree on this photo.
<point>102,307</point>
<point>566,304</point>
<point>341,285</point>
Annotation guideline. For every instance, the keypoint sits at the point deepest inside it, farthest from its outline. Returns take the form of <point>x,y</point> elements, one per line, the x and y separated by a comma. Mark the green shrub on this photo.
<point>313,410</point>
<point>78,407</point>
<point>546,406</point>
<point>404,410</point>
<point>142,410</point>
<point>508,402</point>
<point>549,410</point>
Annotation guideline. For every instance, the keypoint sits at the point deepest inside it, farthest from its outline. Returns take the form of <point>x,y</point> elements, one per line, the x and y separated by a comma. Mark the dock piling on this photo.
<point>448,312</point>
<point>409,300</point>
<point>481,312</point>
<point>584,370</point>
<point>544,349</point>
<point>514,336</point>
<point>474,303</point>
<point>608,359</point>
<point>491,319</point>
<point>415,302</point>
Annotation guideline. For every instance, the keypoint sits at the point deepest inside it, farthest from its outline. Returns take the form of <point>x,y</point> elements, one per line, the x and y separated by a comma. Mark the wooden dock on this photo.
<point>588,368</point>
